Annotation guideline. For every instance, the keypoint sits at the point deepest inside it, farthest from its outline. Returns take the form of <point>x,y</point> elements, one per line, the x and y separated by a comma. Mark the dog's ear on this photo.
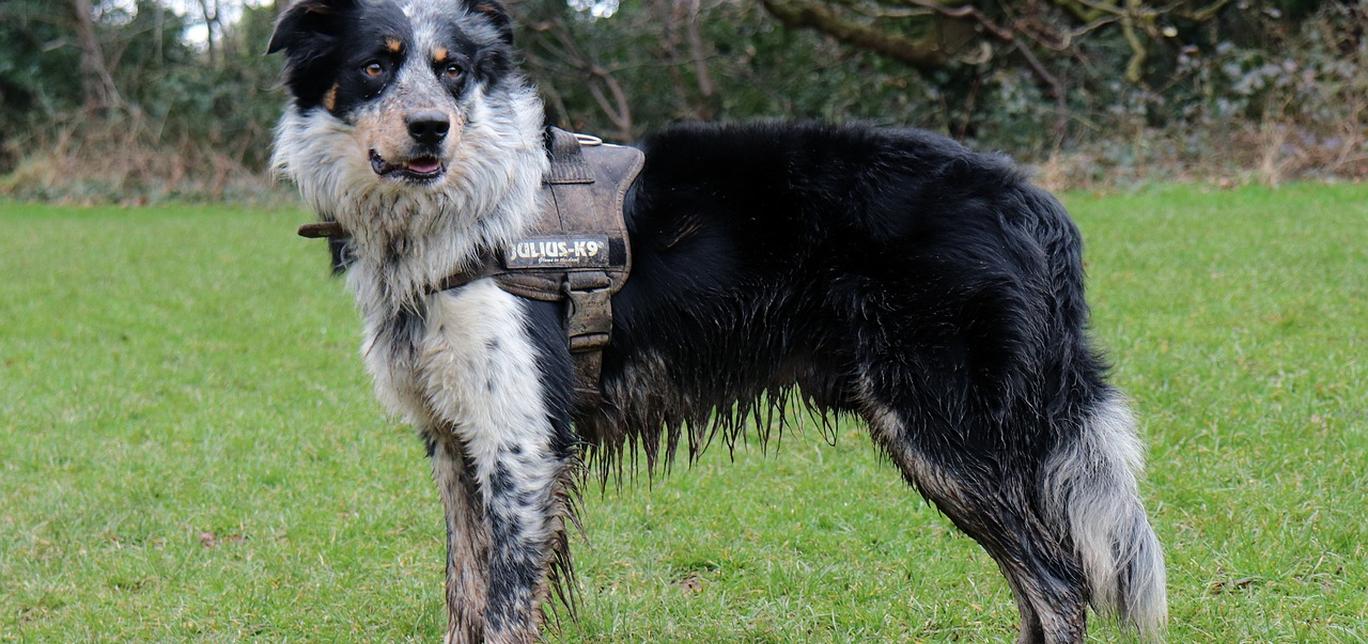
<point>308,26</point>
<point>497,15</point>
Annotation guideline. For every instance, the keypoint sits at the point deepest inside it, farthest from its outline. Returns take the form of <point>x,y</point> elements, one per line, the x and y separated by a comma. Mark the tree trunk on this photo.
<point>97,85</point>
<point>210,22</point>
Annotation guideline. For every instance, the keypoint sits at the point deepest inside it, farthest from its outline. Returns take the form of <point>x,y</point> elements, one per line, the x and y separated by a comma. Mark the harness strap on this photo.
<point>589,325</point>
<point>567,158</point>
<point>322,229</point>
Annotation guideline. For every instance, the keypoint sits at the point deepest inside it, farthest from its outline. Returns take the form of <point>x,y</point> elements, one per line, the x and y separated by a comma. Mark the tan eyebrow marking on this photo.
<point>330,99</point>
<point>394,45</point>
<point>440,54</point>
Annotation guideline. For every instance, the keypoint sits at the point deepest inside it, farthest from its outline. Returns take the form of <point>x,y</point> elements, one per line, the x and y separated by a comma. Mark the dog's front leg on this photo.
<point>467,539</point>
<point>497,376</point>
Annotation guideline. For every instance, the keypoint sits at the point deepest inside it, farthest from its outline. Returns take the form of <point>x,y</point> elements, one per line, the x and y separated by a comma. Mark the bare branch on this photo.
<point>1135,68</point>
<point>1206,13</point>
<point>924,54</point>
<point>966,12</point>
<point>567,51</point>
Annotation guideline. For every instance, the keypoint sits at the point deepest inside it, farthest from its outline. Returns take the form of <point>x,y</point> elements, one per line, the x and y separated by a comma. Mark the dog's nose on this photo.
<point>428,126</point>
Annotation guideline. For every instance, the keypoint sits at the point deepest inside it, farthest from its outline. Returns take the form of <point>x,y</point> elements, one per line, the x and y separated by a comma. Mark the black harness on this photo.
<point>577,251</point>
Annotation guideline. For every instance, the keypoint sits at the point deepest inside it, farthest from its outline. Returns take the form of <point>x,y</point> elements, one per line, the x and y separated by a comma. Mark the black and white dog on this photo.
<point>888,274</point>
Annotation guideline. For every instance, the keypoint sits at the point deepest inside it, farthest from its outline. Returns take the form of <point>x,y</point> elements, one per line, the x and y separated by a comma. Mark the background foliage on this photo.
<point>138,100</point>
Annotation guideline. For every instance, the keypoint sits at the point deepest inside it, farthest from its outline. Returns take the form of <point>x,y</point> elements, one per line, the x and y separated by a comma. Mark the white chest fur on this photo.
<point>468,368</point>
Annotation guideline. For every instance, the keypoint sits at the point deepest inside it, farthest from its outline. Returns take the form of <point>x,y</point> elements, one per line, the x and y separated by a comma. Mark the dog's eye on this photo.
<point>453,71</point>
<point>373,69</point>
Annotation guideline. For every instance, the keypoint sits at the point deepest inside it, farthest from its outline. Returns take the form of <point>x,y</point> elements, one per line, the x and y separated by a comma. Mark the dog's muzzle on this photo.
<point>419,169</point>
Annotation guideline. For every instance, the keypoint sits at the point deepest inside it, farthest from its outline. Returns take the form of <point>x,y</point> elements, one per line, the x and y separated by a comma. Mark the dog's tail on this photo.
<point>1090,495</point>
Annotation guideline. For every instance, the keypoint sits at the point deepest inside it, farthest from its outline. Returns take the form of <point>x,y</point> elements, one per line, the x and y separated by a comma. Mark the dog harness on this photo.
<point>576,251</point>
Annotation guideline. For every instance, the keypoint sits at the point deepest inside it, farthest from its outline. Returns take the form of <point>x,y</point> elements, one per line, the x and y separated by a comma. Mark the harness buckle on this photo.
<point>589,316</point>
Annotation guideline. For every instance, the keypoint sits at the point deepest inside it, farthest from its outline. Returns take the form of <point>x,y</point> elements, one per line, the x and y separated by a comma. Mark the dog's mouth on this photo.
<point>419,169</point>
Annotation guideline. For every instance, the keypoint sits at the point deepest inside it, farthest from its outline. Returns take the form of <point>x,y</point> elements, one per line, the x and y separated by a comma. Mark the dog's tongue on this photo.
<point>425,165</point>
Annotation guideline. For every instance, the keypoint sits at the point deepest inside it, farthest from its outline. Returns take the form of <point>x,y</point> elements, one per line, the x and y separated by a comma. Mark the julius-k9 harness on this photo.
<point>577,251</point>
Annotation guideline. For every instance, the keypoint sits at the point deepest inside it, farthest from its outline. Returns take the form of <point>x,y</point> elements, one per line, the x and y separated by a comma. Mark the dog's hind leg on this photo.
<point>497,378</point>
<point>993,506</point>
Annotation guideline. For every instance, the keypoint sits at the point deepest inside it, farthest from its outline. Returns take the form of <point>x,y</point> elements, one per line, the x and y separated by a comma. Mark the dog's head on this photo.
<point>410,102</point>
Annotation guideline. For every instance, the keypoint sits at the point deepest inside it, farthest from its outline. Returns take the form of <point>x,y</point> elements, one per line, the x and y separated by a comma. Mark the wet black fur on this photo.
<point>777,259</point>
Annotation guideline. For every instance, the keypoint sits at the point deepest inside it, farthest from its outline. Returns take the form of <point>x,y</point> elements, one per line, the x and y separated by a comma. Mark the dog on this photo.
<point>888,274</point>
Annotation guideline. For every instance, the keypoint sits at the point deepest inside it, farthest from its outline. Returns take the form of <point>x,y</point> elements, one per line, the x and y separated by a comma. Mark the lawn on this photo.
<point>189,449</point>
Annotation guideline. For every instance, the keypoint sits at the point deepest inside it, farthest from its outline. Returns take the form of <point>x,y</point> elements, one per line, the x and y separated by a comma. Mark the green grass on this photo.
<point>189,449</point>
